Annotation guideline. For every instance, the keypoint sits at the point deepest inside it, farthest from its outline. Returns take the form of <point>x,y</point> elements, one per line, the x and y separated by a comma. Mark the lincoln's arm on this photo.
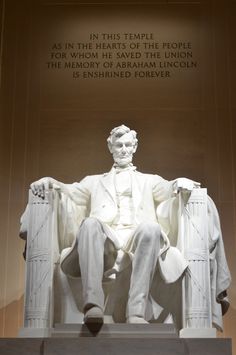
<point>41,186</point>
<point>78,192</point>
<point>164,189</point>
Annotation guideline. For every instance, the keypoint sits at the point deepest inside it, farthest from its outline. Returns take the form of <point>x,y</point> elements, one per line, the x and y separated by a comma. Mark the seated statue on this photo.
<point>123,219</point>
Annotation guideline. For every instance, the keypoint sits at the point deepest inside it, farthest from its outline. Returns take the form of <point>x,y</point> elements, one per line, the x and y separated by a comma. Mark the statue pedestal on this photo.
<point>28,332</point>
<point>197,333</point>
<point>137,346</point>
<point>116,346</point>
<point>117,330</point>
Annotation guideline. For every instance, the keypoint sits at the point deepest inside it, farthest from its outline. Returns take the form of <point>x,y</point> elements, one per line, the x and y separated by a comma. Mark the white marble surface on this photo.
<point>47,235</point>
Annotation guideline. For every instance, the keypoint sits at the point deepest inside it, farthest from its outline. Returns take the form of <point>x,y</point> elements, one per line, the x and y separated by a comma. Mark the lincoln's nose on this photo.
<point>123,150</point>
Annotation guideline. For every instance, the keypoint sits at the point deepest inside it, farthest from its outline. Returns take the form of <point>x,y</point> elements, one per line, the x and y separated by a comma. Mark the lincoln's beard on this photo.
<point>123,161</point>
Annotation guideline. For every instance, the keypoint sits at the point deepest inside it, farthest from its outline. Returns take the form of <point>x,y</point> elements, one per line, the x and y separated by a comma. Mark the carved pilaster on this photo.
<point>194,245</point>
<point>40,258</point>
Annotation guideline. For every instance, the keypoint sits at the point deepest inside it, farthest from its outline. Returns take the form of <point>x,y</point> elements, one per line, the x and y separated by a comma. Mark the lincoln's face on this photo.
<point>123,149</point>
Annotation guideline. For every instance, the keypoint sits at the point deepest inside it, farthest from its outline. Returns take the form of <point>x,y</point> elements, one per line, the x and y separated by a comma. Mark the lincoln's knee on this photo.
<point>150,228</point>
<point>150,231</point>
<point>90,222</point>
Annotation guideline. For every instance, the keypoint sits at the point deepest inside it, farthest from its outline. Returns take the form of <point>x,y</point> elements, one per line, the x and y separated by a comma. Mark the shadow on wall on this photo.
<point>11,318</point>
<point>229,327</point>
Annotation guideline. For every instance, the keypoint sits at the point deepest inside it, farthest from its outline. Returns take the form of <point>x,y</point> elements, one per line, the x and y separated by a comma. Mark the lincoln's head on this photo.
<point>122,144</point>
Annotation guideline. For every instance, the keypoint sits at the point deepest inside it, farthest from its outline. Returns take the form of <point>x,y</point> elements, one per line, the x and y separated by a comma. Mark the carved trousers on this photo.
<point>97,254</point>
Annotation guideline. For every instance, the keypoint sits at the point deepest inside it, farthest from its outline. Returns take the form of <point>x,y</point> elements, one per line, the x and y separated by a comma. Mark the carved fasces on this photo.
<point>193,242</point>
<point>42,253</point>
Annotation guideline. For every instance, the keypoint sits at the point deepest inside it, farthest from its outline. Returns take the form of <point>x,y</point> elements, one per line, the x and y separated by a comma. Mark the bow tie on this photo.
<point>118,169</point>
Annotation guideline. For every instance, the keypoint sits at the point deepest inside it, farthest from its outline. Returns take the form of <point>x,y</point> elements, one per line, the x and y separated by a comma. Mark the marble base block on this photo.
<point>197,333</point>
<point>115,346</point>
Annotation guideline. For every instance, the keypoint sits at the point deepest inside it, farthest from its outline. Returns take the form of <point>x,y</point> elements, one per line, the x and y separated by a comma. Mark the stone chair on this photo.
<point>51,297</point>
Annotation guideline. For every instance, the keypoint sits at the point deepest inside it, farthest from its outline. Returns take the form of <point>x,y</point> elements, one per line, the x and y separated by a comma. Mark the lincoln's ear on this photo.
<point>110,148</point>
<point>135,147</point>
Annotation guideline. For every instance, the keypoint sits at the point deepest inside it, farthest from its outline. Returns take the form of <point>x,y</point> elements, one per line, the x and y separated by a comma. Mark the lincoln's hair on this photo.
<point>118,132</point>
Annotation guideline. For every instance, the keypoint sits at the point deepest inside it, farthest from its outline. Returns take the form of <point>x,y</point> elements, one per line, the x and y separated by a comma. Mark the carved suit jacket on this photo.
<point>96,197</point>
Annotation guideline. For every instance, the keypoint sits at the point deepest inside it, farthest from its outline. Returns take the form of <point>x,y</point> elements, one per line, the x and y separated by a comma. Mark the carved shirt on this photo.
<point>124,222</point>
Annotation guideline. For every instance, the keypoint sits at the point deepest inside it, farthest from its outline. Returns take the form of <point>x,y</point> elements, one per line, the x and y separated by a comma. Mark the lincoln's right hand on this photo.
<point>40,187</point>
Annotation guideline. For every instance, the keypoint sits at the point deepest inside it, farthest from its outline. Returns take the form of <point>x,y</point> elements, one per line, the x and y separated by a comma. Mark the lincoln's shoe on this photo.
<point>93,315</point>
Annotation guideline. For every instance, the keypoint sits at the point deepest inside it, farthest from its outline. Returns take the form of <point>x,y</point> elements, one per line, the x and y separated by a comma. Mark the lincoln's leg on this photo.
<point>91,240</point>
<point>146,248</point>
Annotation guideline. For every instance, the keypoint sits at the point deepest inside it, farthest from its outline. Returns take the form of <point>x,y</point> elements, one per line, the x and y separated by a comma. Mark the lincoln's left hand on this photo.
<point>185,185</point>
